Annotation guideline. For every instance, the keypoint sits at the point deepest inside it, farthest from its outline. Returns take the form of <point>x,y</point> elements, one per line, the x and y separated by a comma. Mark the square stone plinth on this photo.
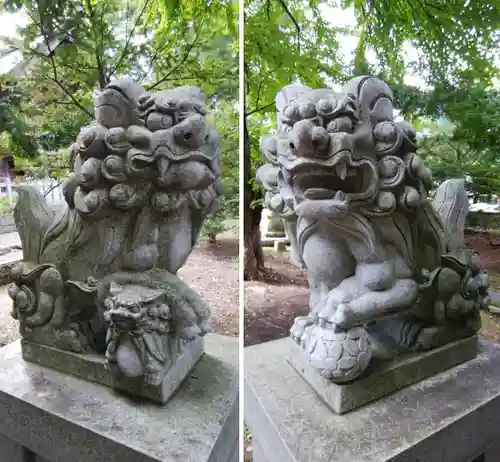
<point>92,367</point>
<point>451,417</point>
<point>382,377</point>
<point>55,417</point>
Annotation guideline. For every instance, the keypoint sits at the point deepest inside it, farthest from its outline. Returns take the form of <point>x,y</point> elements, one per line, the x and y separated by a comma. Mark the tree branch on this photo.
<point>70,95</point>
<point>182,61</point>
<point>55,78</point>
<point>259,109</point>
<point>127,43</point>
<point>292,18</point>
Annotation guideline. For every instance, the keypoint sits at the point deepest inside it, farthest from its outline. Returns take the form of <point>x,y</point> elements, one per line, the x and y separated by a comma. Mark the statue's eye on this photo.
<point>159,121</point>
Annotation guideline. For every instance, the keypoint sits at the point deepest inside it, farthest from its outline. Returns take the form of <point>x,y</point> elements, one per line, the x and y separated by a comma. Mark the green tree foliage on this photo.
<point>226,117</point>
<point>469,144</point>
<point>15,133</point>
<point>450,157</point>
<point>456,40</point>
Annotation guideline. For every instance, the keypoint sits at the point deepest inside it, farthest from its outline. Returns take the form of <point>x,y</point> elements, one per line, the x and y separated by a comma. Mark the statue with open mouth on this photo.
<point>388,269</point>
<point>101,276</point>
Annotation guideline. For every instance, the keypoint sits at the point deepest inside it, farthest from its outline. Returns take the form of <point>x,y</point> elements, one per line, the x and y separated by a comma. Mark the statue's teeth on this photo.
<point>341,170</point>
<point>340,196</point>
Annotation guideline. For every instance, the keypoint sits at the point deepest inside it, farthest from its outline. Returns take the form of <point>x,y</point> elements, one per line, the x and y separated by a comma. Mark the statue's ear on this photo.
<point>374,99</point>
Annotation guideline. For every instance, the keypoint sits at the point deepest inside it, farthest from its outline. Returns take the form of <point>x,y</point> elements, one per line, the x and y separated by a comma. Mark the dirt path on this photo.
<point>212,270</point>
<point>272,305</point>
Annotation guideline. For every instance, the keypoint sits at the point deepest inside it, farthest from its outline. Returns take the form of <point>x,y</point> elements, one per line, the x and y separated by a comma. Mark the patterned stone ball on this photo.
<point>339,356</point>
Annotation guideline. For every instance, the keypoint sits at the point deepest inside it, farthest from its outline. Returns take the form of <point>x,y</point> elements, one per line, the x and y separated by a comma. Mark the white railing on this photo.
<point>49,187</point>
<point>6,188</point>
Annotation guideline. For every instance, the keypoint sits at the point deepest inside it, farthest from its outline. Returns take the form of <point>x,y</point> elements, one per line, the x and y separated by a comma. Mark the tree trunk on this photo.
<point>254,256</point>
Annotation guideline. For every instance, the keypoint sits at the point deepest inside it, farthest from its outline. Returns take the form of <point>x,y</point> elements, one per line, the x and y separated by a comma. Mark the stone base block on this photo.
<point>92,367</point>
<point>52,417</point>
<point>382,377</point>
<point>280,246</point>
<point>271,241</point>
<point>453,416</point>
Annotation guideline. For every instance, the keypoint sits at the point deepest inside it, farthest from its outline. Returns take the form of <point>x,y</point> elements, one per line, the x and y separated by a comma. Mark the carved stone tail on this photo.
<point>452,205</point>
<point>33,217</point>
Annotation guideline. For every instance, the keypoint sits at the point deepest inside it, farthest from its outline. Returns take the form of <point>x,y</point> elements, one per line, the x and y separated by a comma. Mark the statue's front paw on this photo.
<point>299,327</point>
<point>191,332</point>
<point>342,316</point>
<point>153,378</point>
<point>335,316</point>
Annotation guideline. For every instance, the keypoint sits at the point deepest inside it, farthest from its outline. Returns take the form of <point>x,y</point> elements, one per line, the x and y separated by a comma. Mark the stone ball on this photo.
<point>339,356</point>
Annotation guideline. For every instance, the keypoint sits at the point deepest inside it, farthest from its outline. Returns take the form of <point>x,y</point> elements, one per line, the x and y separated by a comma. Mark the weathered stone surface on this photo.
<point>100,275</point>
<point>62,418</point>
<point>93,367</point>
<point>5,269</point>
<point>453,416</point>
<point>382,377</point>
<point>388,269</point>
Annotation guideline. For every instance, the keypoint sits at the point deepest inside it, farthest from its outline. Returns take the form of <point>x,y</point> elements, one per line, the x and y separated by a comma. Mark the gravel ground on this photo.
<point>8,326</point>
<point>212,270</point>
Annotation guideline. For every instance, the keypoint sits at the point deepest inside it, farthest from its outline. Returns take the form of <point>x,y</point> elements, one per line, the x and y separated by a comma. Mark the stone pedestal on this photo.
<point>93,367</point>
<point>46,416</point>
<point>453,416</point>
<point>382,377</point>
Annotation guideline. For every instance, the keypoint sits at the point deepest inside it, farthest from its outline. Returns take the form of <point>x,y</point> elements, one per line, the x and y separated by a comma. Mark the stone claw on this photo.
<point>326,317</point>
<point>299,326</point>
<point>191,332</point>
<point>342,315</point>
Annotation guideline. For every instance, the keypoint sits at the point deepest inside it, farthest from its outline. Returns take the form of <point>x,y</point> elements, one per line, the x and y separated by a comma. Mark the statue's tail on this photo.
<point>452,205</point>
<point>32,216</point>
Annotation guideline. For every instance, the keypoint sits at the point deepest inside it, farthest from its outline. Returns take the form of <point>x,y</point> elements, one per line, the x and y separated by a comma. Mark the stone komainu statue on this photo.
<point>101,275</point>
<point>388,270</point>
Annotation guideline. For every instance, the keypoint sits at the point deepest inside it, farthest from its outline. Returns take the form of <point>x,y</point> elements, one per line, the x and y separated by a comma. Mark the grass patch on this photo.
<point>494,280</point>
<point>247,445</point>
<point>6,207</point>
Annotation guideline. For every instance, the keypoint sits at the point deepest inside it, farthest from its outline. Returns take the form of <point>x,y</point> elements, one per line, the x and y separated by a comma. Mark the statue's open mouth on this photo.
<point>340,179</point>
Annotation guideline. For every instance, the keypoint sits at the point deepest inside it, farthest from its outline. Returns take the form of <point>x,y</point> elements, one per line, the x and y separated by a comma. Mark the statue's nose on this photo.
<point>192,132</point>
<point>308,139</point>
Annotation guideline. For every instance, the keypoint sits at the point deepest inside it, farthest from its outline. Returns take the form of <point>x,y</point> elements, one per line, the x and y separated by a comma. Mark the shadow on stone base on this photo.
<point>92,367</point>
<point>382,378</point>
